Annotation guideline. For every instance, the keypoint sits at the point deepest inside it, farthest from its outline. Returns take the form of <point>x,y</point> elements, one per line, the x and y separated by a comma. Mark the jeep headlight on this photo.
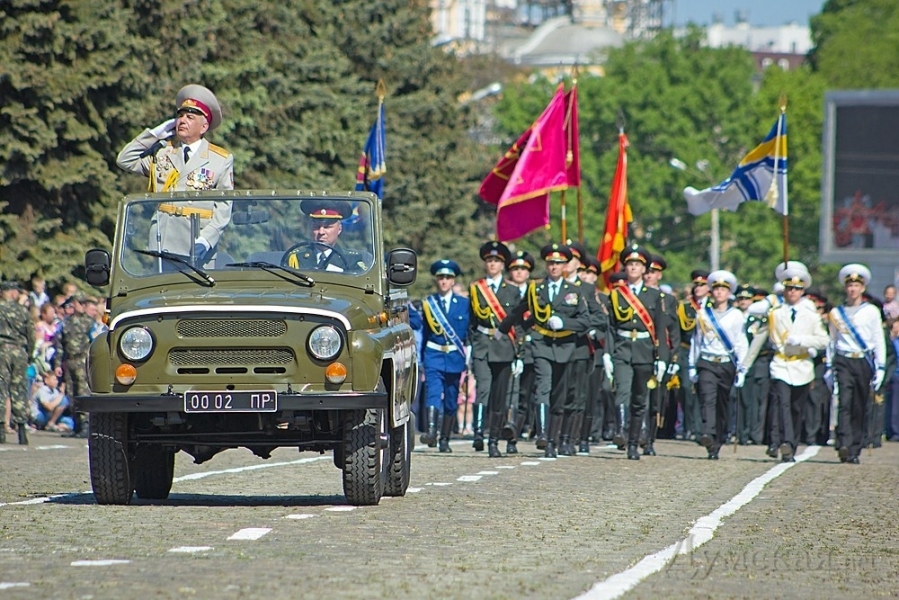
<point>136,343</point>
<point>324,342</point>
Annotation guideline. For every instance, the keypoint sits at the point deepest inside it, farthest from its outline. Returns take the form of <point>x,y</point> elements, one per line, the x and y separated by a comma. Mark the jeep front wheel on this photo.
<point>108,456</point>
<point>365,460</point>
<point>153,470</point>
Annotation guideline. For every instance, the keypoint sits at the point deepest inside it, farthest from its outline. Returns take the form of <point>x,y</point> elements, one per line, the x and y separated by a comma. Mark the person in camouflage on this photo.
<point>72,345</point>
<point>16,346</point>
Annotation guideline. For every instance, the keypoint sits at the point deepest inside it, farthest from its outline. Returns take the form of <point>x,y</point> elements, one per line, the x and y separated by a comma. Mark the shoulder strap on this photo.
<point>721,335</point>
<point>438,323</point>
<point>219,150</point>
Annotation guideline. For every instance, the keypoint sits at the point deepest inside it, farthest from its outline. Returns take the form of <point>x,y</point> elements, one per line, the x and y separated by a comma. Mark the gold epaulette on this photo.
<point>219,150</point>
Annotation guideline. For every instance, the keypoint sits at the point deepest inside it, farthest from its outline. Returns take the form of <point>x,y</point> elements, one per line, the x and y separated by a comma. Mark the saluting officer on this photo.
<point>520,267</point>
<point>492,354</point>
<point>717,358</point>
<point>444,335</point>
<point>686,317</point>
<point>641,354</point>
<point>558,313</point>
<point>176,158</point>
<point>653,278</point>
<point>858,354</point>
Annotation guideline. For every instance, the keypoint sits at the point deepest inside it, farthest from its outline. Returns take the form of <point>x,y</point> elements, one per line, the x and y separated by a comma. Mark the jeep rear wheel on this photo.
<point>108,456</point>
<point>401,442</point>
<point>365,451</point>
<point>153,469</point>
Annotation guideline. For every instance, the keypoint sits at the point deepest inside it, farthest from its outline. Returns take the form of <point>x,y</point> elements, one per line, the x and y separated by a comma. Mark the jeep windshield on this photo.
<point>299,237</point>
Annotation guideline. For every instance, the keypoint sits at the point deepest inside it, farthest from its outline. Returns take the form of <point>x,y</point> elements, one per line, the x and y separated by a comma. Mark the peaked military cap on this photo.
<point>326,209</point>
<point>635,252</point>
<point>816,295</point>
<point>521,259</point>
<point>497,249</point>
<point>745,291</point>
<point>199,100</point>
<point>796,278</point>
<point>855,272</point>
<point>699,276</point>
<point>593,265</point>
<point>618,278</point>
<point>578,250</point>
<point>657,262</point>
<point>793,265</point>
<point>722,278</point>
<point>445,267</point>
<point>555,253</point>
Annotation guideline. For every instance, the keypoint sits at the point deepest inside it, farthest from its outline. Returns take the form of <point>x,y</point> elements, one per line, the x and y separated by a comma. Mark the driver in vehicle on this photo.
<point>323,252</point>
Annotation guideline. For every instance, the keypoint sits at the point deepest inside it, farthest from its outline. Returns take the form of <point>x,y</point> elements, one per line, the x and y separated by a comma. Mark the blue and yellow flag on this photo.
<point>761,176</point>
<point>372,164</point>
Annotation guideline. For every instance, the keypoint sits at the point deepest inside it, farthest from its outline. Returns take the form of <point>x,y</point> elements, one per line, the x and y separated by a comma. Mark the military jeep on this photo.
<point>253,342</point>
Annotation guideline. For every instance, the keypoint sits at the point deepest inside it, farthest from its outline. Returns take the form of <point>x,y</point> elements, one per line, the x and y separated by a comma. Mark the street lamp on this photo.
<point>715,243</point>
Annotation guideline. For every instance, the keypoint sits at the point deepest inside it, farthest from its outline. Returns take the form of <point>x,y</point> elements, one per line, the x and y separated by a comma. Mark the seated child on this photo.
<point>52,405</point>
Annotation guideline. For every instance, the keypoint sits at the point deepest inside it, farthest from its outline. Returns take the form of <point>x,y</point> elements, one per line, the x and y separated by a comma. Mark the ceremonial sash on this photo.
<point>641,312</point>
<point>721,335</point>
<point>841,310</point>
<point>433,312</point>
<point>493,303</point>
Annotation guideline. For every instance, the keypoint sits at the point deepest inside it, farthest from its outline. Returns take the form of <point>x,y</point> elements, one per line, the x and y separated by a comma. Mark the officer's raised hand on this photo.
<point>164,130</point>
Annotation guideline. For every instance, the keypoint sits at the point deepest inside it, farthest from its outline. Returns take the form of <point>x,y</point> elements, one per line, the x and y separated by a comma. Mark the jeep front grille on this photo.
<point>186,357</point>
<point>218,328</point>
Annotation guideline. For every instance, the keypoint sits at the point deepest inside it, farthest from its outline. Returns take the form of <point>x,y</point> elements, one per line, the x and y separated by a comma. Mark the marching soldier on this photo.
<point>492,354</point>
<point>641,354</point>
<point>599,338</point>
<point>16,348</point>
<point>72,347</point>
<point>175,157</point>
<point>797,334</point>
<point>520,267</point>
<point>717,359</point>
<point>686,317</point>
<point>558,313</point>
<point>444,335</point>
<point>858,359</point>
<point>653,278</point>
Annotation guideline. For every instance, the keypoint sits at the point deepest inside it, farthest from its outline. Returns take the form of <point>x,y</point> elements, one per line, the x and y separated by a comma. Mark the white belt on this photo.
<point>715,358</point>
<point>851,354</point>
<point>486,330</point>
<point>632,334</point>
<point>445,349</point>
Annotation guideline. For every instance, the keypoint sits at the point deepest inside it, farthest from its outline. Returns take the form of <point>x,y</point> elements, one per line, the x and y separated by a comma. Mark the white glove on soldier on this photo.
<point>878,379</point>
<point>660,369</point>
<point>693,374</point>
<point>673,368</point>
<point>517,368</point>
<point>164,130</point>
<point>554,323</point>
<point>740,379</point>
<point>608,366</point>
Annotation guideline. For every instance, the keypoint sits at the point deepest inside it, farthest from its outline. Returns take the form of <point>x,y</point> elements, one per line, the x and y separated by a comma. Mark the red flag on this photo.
<point>617,218</point>
<point>535,166</point>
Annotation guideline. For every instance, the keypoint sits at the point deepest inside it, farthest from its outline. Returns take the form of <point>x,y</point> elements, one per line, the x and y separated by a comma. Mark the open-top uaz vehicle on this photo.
<point>256,344</point>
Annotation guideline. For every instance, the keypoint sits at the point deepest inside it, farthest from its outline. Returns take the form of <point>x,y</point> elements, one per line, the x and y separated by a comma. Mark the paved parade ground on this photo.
<point>596,526</point>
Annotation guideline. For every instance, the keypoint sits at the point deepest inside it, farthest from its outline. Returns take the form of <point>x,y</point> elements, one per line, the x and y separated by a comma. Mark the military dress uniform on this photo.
<point>718,351</point>
<point>858,358</point>
<point>16,347</point>
<point>599,340</point>
<point>443,356</point>
<point>491,354</point>
<point>313,255</point>
<point>754,395</point>
<point>686,318</point>
<point>523,392</point>
<point>557,314</point>
<point>206,167</point>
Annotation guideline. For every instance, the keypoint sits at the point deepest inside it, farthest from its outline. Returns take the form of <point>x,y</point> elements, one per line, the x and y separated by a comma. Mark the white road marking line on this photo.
<point>5,585</point>
<point>250,533</point>
<point>413,490</point>
<point>341,509</point>
<point>299,517</point>
<point>439,484</point>
<point>98,563</point>
<point>506,467</point>
<point>530,463</point>
<point>703,531</point>
<point>546,458</point>
<point>190,549</point>
<point>53,447</point>
<point>469,478</point>
<point>488,473</point>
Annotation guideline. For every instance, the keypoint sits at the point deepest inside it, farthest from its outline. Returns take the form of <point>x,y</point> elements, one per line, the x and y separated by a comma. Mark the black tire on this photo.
<point>400,470</point>
<point>108,456</point>
<point>153,469</point>
<point>338,456</point>
<point>365,460</point>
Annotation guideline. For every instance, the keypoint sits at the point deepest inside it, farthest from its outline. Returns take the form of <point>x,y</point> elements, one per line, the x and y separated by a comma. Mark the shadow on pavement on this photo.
<point>214,500</point>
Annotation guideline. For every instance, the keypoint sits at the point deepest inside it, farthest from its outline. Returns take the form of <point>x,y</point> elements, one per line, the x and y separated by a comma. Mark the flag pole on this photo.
<point>564,223</point>
<point>772,193</point>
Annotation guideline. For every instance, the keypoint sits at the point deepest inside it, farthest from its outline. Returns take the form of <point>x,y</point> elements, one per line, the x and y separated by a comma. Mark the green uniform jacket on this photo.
<point>484,345</point>
<point>624,320</point>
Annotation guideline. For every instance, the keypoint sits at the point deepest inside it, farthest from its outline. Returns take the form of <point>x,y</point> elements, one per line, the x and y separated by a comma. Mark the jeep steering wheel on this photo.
<point>319,247</point>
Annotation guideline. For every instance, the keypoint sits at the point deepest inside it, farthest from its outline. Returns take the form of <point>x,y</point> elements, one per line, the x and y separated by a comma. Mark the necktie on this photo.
<point>322,260</point>
<point>792,315</point>
<point>635,289</point>
<point>552,291</point>
<point>493,287</point>
<point>445,305</point>
<point>186,154</point>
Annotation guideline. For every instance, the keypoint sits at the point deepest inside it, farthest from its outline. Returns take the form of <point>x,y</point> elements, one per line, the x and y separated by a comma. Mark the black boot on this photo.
<point>512,447</point>
<point>620,437</point>
<point>644,431</point>
<point>493,449</point>
<point>446,430</point>
<point>23,434</point>
<point>2,432</point>
<point>554,428</point>
<point>565,447</point>
<point>586,426</point>
<point>430,436</point>
<point>477,423</point>
<point>632,453</point>
<point>648,449</point>
<point>540,423</point>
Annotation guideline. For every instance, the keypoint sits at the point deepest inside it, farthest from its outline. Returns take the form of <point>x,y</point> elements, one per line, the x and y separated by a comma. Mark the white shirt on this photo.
<point>867,322</point>
<point>553,288</point>
<point>792,363</point>
<point>495,282</point>
<point>707,342</point>
<point>446,300</point>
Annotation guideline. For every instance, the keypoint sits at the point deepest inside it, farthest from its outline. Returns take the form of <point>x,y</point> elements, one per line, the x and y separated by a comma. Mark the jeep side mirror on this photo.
<point>96,267</point>
<point>402,265</point>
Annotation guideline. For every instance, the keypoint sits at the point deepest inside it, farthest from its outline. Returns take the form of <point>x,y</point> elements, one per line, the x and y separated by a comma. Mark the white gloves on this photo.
<point>164,130</point>
<point>793,340</point>
<point>608,366</point>
<point>812,352</point>
<point>673,368</point>
<point>692,374</point>
<point>517,367</point>
<point>740,379</point>
<point>878,378</point>
<point>498,335</point>
<point>660,369</point>
<point>468,357</point>
<point>828,378</point>
<point>554,323</point>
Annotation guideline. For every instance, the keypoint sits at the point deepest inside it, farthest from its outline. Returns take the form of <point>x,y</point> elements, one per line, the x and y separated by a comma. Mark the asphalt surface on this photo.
<point>515,527</point>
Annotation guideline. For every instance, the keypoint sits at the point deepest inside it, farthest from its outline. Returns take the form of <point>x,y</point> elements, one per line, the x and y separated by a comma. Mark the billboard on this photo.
<point>860,182</point>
